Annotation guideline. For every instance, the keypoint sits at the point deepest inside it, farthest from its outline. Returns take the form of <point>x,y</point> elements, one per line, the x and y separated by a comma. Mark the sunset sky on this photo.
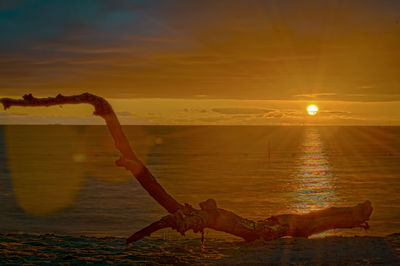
<point>205,62</point>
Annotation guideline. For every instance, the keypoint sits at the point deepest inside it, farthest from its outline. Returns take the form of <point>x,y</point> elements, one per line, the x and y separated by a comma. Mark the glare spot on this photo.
<point>158,141</point>
<point>79,157</point>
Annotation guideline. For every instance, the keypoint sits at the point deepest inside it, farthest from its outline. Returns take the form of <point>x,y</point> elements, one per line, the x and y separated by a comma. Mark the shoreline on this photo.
<point>50,248</point>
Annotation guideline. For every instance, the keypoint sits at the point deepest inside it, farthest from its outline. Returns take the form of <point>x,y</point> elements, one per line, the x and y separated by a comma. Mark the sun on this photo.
<point>312,109</point>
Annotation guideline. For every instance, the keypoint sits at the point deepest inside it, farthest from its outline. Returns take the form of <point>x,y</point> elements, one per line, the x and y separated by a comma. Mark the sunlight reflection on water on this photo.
<point>313,182</point>
<point>62,179</point>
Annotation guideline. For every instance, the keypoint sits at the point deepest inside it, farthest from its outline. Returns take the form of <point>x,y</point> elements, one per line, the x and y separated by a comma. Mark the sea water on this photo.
<point>63,180</point>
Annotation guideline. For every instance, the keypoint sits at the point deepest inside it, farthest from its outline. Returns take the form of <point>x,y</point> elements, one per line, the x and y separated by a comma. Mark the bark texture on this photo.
<point>184,217</point>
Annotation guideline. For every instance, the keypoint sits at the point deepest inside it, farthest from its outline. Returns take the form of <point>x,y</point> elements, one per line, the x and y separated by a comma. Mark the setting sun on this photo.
<point>312,109</point>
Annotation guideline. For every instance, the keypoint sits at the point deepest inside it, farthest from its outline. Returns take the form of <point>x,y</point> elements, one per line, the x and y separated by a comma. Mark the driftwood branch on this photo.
<point>104,109</point>
<point>272,228</point>
<point>184,217</point>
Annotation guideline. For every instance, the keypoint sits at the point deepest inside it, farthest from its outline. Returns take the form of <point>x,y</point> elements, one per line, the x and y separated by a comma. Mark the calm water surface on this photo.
<point>62,179</point>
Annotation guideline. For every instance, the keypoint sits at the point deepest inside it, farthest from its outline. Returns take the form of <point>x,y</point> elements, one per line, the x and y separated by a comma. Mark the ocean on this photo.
<point>62,180</point>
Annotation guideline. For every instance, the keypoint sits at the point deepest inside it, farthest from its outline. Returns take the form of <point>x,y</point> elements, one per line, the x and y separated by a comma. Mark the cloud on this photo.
<point>12,114</point>
<point>234,110</point>
<point>195,110</point>
<point>316,95</point>
<point>210,119</point>
<point>360,95</point>
<point>335,112</point>
<point>275,114</point>
<point>124,114</point>
<point>36,119</point>
<point>213,49</point>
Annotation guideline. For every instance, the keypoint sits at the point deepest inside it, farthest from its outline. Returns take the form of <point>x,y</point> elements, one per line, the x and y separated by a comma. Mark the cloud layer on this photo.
<point>211,49</point>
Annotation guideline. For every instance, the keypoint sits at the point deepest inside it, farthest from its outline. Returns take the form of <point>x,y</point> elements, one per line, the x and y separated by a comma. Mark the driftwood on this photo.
<point>184,217</point>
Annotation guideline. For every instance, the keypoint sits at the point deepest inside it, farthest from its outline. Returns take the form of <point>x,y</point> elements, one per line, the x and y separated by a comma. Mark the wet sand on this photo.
<point>49,248</point>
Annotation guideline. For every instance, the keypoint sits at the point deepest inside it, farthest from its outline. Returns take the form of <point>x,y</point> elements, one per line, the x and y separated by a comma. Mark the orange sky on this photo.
<point>205,62</point>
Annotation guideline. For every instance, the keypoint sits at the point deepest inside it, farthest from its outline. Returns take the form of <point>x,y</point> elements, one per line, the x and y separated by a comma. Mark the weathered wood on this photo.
<point>274,227</point>
<point>184,217</point>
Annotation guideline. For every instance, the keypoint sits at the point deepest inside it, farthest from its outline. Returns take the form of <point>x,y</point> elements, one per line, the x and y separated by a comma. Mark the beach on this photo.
<point>49,248</point>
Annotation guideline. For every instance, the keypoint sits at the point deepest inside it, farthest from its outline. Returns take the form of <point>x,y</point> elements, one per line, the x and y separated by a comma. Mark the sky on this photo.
<point>204,62</point>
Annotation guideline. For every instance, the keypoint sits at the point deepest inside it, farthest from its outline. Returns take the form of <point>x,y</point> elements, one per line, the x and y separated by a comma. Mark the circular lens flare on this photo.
<point>312,109</point>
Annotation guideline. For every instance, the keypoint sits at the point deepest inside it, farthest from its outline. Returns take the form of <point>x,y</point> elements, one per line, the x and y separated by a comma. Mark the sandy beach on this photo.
<point>48,248</point>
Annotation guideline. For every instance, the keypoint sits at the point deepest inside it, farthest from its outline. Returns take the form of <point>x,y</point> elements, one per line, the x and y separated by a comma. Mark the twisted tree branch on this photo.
<point>184,217</point>
<point>104,109</point>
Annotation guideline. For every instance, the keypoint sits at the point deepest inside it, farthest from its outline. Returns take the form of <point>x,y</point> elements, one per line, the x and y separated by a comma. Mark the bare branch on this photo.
<point>104,109</point>
<point>184,217</point>
<point>274,227</point>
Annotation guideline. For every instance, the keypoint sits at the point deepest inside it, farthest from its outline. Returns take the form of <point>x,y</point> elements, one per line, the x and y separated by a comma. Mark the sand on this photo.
<point>49,248</point>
